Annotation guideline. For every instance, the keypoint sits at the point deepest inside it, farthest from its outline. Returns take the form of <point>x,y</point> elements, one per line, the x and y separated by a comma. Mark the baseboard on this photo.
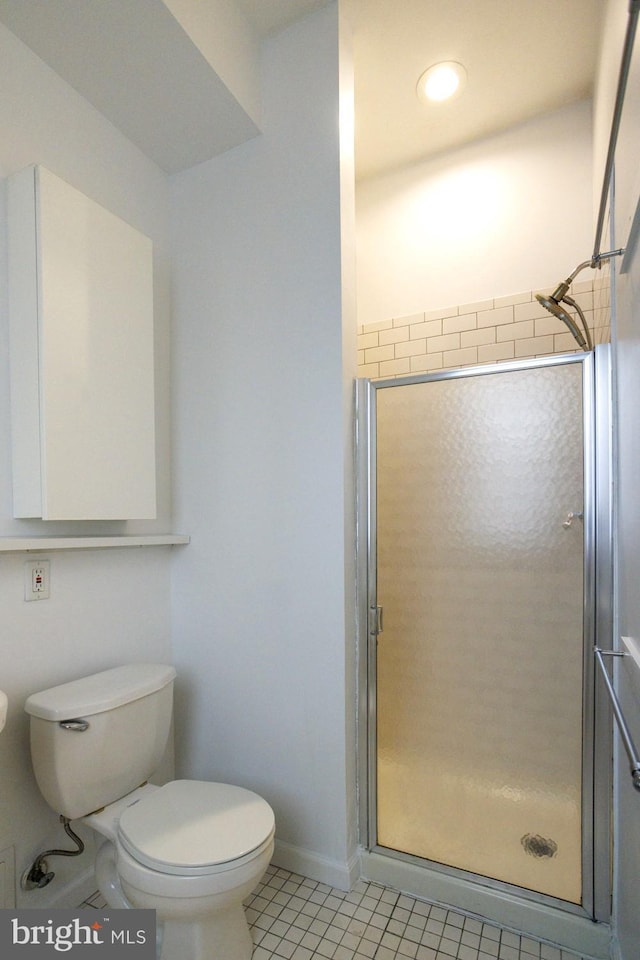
<point>68,897</point>
<point>575,933</point>
<point>307,863</point>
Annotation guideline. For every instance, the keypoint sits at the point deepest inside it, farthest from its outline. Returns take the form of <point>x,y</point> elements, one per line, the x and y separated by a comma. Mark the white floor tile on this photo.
<point>294,918</point>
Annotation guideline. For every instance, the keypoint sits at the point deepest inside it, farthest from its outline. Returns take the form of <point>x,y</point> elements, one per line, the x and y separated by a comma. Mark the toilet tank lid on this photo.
<point>99,692</point>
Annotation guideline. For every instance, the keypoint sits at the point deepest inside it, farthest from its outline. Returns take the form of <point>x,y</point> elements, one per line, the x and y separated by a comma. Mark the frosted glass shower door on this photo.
<point>479,673</point>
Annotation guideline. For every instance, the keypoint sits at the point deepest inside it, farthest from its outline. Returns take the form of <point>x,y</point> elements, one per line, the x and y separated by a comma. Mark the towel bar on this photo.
<point>625,734</point>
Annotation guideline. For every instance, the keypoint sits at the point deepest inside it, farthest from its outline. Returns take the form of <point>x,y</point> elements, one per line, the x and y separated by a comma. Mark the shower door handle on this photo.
<point>375,621</point>
<point>574,515</point>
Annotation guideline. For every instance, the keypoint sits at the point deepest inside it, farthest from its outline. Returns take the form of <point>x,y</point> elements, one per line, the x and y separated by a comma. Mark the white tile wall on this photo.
<point>489,331</point>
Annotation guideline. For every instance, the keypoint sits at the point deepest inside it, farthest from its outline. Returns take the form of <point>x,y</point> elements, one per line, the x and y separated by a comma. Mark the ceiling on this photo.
<point>193,100</point>
<point>271,16</point>
<point>523,58</point>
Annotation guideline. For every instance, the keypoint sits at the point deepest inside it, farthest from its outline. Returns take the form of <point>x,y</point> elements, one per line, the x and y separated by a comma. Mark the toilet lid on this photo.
<point>188,826</point>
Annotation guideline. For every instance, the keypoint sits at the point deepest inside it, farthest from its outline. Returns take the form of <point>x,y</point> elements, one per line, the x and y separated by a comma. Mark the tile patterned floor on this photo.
<point>298,919</point>
<point>293,918</point>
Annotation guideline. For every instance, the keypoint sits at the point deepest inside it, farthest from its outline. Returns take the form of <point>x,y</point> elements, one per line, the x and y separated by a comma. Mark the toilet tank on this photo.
<point>96,739</point>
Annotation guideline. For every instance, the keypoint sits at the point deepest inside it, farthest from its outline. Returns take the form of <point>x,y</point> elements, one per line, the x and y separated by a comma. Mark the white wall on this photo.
<point>627,800</point>
<point>106,607</point>
<point>503,215</point>
<point>626,341</point>
<point>259,596</point>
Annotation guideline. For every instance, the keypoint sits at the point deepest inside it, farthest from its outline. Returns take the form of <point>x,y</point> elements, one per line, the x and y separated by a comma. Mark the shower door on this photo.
<point>479,619</point>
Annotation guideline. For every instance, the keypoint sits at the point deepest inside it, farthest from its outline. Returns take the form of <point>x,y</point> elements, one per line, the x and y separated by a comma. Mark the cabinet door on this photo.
<point>91,390</point>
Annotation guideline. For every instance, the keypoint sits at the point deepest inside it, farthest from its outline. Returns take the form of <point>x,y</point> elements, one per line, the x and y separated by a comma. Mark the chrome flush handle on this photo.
<point>574,515</point>
<point>77,725</point>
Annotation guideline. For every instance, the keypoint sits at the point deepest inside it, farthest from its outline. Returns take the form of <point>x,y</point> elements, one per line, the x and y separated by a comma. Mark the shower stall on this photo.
<point>484,534</point>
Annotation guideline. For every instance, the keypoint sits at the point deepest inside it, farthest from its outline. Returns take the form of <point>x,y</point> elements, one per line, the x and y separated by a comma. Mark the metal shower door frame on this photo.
<point>597,623</point>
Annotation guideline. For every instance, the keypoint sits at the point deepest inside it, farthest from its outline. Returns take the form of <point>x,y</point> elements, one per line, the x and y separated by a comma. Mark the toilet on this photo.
<point>191,850</point>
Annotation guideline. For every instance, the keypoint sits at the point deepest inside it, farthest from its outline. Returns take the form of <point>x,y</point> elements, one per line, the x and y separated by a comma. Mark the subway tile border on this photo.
<point>505,328</point>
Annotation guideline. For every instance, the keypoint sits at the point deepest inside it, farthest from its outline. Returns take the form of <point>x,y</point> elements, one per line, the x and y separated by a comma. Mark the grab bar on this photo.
<point>625,734</point>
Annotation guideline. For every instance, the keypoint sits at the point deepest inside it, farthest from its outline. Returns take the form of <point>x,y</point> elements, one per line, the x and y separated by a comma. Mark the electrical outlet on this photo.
<point>37,580</point>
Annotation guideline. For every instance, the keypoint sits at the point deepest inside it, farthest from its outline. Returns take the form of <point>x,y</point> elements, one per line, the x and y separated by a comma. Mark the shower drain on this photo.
<point>537,846</point>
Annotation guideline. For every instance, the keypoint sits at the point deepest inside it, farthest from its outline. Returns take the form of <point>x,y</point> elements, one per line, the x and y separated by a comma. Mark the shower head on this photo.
<point>553,303</point>
<point>554,306</point>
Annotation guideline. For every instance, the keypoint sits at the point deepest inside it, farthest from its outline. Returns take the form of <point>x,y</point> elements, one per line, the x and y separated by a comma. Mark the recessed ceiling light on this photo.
<point>442,81</point>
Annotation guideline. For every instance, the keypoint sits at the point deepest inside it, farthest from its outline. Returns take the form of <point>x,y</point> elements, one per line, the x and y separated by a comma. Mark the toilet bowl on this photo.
<point>191,850</point>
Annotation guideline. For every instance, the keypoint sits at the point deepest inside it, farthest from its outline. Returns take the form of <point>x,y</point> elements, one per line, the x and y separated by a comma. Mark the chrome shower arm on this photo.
<point>595,263</point>
<point>581,266</point>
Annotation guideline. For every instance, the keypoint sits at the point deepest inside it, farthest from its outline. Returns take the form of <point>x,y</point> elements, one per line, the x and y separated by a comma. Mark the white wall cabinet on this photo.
<point>81,346</point>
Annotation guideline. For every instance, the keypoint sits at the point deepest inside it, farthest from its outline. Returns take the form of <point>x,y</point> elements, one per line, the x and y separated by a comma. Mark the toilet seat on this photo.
<point>195,828</point>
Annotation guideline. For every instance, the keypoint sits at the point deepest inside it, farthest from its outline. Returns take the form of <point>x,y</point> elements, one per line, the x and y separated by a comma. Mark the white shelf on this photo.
<point>18,544</point>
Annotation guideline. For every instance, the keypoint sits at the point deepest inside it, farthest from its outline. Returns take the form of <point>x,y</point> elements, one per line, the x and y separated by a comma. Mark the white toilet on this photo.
<point>191,850</point>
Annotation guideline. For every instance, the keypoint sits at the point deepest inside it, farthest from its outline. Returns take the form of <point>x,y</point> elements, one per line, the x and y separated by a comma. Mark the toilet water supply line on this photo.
<point>38,874</point>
